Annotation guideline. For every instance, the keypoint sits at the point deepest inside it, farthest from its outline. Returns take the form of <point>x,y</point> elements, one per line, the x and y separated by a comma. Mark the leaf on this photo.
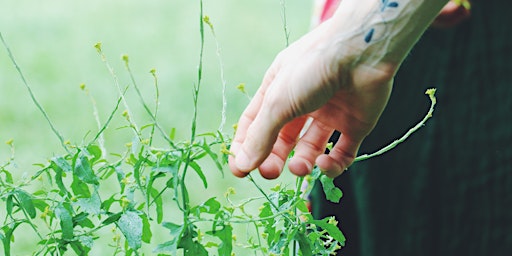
<point>330,227</point>
<point>9,205</point>
<point>91,205</point>
<point>226,237</point>
<point>62,163</point>
<point>83,220</point>
<point>171,246</point>
<point>7,237</point>
<point>66,222</point>
<point>84,171</point>
<point>120,176</point>
<point>302,205</point>
<point>332,193</point>
<point>213,156</point>
<point>95,151</point>
<point>26,203</point>
<point>87,241</point>
<point>304,244</point>
<point>130,225</point>
<point>8,176</point>
<point>112,218</point>
<point>79,188</point>
<point>199,172</point>
<point>158,205</point>
<point>211,206</point>
<point>146,229</point>
<point>79,249</point>
<point>190,245</point>
<point>60,166</point>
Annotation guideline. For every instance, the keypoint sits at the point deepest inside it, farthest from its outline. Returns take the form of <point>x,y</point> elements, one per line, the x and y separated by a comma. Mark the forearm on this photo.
<point>382,31</point>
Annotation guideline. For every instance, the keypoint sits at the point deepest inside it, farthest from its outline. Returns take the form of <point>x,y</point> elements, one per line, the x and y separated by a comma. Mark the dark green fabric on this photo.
<point>448,189</point>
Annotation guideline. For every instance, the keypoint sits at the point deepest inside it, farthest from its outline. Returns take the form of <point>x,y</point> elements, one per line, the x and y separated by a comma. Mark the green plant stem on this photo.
<point>267,197</point>
<point>121,92</point>
<point>27,219</point>
<point>433,101</point>
<point>110,117</point>
<point>285,22</point>
<point>146,107</point>
<point>32,96</point>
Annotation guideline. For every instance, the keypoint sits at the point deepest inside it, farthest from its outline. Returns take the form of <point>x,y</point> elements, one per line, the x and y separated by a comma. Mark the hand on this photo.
<point>317,77</point>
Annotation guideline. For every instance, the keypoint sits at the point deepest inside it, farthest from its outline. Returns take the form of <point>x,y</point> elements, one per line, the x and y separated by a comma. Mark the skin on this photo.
<point>333,78</point>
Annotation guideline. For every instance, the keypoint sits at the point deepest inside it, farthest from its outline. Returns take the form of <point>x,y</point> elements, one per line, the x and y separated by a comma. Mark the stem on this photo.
<point>433,101</point>
<point>121,92</point>
<point>32,96</point>
<point>222,78</point>
<point>27,218</point>
<point>285,23</point>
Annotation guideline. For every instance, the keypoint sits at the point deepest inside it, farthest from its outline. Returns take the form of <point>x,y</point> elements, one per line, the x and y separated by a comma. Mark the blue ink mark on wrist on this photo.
<point>369,35</point>
<point>385,5</point>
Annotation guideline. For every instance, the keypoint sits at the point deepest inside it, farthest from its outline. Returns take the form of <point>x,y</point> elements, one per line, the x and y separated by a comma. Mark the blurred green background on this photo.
<point>53,41</point>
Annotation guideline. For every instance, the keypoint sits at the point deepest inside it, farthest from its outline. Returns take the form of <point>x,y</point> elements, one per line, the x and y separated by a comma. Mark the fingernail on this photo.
<point>242,162</point>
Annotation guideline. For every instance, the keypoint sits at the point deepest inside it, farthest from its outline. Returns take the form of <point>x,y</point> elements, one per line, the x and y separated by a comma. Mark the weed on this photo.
<point>70,199</point>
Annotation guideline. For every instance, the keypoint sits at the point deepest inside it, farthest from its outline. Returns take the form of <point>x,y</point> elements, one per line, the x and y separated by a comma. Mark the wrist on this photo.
<point>381,31</point>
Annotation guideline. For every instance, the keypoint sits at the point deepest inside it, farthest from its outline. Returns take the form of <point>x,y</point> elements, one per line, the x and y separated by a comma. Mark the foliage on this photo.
<point>75,195</point>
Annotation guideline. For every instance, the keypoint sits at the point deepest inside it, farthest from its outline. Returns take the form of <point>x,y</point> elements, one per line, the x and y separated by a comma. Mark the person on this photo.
<point>448,189</point>
<point>344,69</point>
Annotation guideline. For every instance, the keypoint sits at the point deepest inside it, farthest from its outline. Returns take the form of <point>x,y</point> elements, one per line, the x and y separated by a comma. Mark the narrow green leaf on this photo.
<point>120,176</point>
<point>84,171</point>
<point>146,229</point>
<point>60,166</point>
<point>66,222</point>
<point>332,193</point>
<point>79,249</point>
<point>82,220</point>
<point>130,225</point>
<point>213,156</point>
<point>26,203</point>
<point>137,169</point>
<point>158,205</point>
<point>39,203</point>
<point>7,237</point>
<point>112,218</point>
<point>8,176</point>
<point>9,205</point>
<point>199,172</point>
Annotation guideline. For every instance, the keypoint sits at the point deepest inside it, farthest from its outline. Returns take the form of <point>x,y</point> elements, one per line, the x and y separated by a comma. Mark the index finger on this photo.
<point>246,119</point>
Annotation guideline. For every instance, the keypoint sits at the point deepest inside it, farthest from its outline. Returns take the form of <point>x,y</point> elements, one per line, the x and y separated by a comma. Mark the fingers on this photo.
<point>258,130</point>
<point>245,122</point>
<point>340,157</point>
<point>310,146</point>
